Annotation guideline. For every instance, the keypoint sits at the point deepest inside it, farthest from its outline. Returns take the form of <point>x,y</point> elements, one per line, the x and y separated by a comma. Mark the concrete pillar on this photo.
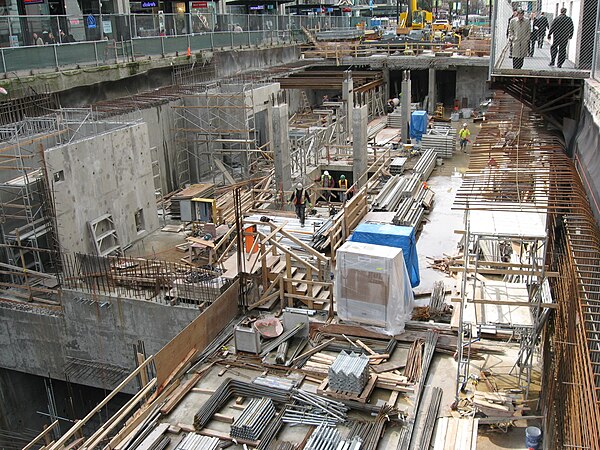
<point>405,105</point>
<point>360,120</point>
<point>348,99</point>
<point>386,83</point>
<point>431,93</point>
<point>281,148</point>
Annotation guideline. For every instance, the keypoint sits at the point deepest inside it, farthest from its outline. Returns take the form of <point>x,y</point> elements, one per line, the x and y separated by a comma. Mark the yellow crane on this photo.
<point>413,19</point>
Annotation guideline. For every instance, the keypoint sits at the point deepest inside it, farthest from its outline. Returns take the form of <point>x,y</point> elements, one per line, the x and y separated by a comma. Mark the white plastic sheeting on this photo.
<point>372,287</point>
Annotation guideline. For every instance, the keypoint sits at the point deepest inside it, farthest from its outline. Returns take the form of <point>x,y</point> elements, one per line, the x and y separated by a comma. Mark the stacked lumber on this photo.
<point>455,434</point>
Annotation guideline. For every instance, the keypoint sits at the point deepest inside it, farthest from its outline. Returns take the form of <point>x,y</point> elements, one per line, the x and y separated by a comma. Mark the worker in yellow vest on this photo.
<point>343,184</point>
<point>326,184</point>
<point>464,134</point>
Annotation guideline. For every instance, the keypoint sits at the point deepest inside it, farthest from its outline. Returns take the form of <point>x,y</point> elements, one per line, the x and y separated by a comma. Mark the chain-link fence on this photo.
<point>545,36</point>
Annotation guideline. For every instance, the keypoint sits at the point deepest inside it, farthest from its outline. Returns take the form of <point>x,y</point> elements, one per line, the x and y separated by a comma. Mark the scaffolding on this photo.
<point>217,135</point>
<point>26,228</point>
<point>503,287</point>
<point>317,138</point>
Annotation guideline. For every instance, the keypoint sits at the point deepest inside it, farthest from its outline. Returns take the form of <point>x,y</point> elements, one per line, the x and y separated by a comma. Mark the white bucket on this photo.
<point>454,117</point>
<point>466,112</point>
<point>439,161</point>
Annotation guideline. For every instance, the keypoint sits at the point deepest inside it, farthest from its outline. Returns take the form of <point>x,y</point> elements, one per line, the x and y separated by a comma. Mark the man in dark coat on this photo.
<point>561,31</point>
<point>542,28</point>
<point>534,33</point>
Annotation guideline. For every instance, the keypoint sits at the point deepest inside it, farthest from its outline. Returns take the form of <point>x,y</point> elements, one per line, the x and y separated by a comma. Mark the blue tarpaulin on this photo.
<point>418,124</point>
<point>392,236</point>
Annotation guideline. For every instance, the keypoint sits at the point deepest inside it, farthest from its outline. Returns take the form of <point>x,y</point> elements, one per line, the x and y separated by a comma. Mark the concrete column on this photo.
<point>281,148</point>
<point>348,98</point>
<point>431,93</point>
<point>360,120</point>
<point>405,105</point>
<point>386,83</point>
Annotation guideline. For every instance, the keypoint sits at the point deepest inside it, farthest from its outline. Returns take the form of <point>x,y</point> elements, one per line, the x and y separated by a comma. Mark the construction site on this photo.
<point>330,244</point>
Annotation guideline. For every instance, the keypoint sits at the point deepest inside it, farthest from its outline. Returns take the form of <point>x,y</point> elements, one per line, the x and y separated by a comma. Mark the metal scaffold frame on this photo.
<point>315,138</point>
<point>217,134</point>
<point>23,214</point>
<point>484,255</point>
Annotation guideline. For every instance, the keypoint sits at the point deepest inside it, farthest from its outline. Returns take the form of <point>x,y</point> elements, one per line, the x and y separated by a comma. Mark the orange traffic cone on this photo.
<point>189,52</point>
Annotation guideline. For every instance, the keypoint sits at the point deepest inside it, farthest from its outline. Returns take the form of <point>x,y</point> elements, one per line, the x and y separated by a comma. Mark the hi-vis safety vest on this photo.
<point>300,199</point>
<point>326,181</point>
<point>464,133</point>
<point>343,184</point>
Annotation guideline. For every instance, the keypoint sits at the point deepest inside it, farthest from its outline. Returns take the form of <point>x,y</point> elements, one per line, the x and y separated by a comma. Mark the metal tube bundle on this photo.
<point>307,416</point>
<point>323,438</point>
<point>239,388</point>
<point>326,407</point>
<point>254,419</point>
<point>426,164</point>
<point>195,441</point>
<point>349,372</point>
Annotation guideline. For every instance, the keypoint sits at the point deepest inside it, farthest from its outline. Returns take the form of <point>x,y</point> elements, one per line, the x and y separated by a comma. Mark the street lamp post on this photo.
<point>101,25</point>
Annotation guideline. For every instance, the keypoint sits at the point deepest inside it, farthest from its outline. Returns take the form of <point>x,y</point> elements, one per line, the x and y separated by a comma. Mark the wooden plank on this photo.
<point>46,430</point>
<point>393,398</point>
<point>179,393</point>
<point>224,170</point>
<point>317,349</point>
<point>474,433</point>
<point>389,366</point>
<point>440,433</point>
<point>153,437</point>
<point>451,431</point>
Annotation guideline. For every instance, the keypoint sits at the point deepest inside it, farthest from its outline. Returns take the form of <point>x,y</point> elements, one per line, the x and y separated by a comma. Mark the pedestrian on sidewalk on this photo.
<point>561,31</point>
<point>518,35</point>
<point>514,14</point>
<point>533,20</point>
<point>542,28</point>
<point>464,134</point>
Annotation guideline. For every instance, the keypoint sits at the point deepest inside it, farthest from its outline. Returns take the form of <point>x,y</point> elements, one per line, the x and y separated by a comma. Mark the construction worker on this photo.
<point>300,198</point>
<point>464,134</point>
<point>343,184</point>
<point>326,184</point>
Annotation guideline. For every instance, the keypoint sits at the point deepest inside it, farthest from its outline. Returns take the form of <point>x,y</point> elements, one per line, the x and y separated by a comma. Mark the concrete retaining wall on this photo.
<point>40,344</point>
<point>109,173</point>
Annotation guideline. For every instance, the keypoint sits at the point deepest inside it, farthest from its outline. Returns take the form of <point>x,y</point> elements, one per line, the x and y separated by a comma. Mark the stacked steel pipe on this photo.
<point>323,438</point>
<point>254,419</point>
<point>195,441</point>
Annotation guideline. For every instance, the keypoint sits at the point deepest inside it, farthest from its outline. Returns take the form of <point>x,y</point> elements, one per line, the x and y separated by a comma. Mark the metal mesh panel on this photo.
<point>544,38</point>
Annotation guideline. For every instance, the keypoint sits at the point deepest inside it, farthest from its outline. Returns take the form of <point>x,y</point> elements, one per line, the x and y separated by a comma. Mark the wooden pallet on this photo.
<point>363,397</point>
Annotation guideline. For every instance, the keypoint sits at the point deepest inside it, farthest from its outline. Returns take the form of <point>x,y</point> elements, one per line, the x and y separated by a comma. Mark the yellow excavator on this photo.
<point>413,19</point>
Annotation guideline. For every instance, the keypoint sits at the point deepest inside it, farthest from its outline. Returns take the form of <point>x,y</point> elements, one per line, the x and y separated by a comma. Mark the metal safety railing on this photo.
<point>31,30</point>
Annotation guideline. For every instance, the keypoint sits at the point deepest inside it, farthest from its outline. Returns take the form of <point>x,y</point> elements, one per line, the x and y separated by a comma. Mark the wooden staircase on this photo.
<point>288,275</point>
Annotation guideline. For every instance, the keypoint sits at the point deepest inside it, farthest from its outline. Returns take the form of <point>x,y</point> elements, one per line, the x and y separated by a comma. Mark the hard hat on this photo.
<point>326,173</point>
<point>299,186</point>
<point>342,177</point>
<point>464,124</point>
